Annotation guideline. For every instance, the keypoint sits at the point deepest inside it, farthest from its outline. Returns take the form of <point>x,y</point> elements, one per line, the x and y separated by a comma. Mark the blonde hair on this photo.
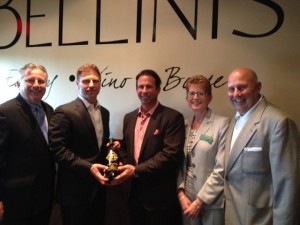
<point>87,68</point>
<point>199,79</point>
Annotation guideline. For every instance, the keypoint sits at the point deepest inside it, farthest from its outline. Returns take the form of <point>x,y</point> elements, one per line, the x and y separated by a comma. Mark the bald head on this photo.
<point>246,73</point>
<point>243,89</point>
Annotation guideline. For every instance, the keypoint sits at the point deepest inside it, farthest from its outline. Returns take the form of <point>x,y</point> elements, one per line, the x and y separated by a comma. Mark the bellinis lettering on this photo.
<point>190,27</point>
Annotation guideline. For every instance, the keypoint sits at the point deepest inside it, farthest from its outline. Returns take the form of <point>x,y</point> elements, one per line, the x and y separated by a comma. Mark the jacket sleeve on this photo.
<point>4,131</point>
<point>61,143</point>
<point>167,154</point>
<point>284,162</point>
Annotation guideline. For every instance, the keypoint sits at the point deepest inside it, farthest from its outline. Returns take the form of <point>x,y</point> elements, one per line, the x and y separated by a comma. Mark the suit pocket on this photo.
<point>257,173</point>
<point>259,216</point>
<point>255,162</point>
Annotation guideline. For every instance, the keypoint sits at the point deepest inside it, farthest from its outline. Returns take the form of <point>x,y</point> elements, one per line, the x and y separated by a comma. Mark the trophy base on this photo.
<point>111,174</point>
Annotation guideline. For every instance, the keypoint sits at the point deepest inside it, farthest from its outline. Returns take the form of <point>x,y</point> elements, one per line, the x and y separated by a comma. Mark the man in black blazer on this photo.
<point>78,134</point>
<point>26,168</point>
<point>153,140</point>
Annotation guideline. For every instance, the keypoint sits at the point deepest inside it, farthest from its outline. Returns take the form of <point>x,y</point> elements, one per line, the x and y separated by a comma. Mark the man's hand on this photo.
<point>126,172</point>
<point>116,145</point>
<point>96,170</point>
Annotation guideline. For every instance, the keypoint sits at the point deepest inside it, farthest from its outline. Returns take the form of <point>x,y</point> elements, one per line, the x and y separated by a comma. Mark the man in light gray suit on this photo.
<point>261,158</point>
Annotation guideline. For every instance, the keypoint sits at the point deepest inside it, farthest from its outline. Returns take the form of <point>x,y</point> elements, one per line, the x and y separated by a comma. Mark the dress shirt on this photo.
<point>140,129</point>
<point>240,122</point>
<point>40,116</point>
<point>96,117</point>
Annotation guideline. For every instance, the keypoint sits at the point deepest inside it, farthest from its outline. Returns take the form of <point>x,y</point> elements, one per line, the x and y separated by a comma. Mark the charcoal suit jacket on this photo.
<point>74,145</point>
<point>26,168</point>
<point>161,154</point>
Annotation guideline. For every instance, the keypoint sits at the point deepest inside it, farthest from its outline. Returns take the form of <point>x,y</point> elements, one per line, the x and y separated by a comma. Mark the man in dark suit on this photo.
<point>153,140</point>
<point>26,168</point>
<point>78,133</point>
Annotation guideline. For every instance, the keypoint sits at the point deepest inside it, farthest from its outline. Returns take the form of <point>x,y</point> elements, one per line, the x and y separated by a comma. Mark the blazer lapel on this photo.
<point>228,159</point>
<point>131,127</point>
<point>152,126</point>
<point>238,147</point>
<point>25,111</point>
<point>48,112</point>
<point>28,116</point>
<point>105,123</point>
<point>86,119</point>
<point>245,135</point>
<point>204,126</point>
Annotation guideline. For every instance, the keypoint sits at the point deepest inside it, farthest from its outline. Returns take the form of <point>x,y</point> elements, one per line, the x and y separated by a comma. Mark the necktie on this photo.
<point>40,117</point>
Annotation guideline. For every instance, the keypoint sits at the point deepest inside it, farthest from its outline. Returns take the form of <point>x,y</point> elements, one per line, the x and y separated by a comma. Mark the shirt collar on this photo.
<point>88,104</point>
<point>32,106</point>
<point>150,112</point>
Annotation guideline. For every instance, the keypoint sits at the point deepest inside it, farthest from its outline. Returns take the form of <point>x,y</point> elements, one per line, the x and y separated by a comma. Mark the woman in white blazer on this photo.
<point>200,182</point>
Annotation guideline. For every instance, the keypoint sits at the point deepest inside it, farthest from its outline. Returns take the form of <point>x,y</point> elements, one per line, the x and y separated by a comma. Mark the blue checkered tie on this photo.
<point>39,115</point>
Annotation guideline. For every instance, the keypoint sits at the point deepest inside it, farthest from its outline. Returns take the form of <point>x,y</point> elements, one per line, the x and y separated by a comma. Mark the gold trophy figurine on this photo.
<point>112,162</point>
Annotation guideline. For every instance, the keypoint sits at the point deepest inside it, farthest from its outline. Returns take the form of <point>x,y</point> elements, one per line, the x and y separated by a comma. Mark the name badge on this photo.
<point>206,138</point>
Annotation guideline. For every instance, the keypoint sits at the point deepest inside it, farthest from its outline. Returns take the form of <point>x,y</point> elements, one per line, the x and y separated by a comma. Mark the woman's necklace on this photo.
<point>191,139</point>
<point>196,125</point>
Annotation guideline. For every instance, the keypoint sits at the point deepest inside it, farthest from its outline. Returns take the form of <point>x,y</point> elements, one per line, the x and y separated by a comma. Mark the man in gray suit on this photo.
<point>261,158</point>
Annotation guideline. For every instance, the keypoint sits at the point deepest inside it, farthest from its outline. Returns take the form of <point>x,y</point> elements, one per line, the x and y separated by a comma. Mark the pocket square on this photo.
<point>156,132</point>
<point>253,149</point>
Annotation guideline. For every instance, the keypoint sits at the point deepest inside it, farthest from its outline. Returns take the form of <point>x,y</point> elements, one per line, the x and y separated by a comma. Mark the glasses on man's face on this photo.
<point>198,94</point>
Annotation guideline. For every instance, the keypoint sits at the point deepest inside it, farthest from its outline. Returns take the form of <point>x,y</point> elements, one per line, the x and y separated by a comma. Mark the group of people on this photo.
<point>204,170</point>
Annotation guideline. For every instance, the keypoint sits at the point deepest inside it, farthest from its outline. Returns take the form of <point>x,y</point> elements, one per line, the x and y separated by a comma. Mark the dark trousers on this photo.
<point>41,218</point>
<point>84,214</point>
<point>140,216</point>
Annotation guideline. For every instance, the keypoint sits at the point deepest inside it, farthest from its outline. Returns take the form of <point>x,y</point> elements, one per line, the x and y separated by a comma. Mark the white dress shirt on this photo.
<point>95,114</point>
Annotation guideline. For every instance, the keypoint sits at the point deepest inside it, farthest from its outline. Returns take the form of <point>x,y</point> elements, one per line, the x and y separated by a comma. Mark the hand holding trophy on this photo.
<point>112,162</point>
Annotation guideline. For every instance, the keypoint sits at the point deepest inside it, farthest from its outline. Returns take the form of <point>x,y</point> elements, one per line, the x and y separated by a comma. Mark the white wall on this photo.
<point>275,57</point>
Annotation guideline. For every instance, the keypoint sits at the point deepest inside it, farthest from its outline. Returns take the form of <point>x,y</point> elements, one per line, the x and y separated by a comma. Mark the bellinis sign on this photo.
<point>191,28</point>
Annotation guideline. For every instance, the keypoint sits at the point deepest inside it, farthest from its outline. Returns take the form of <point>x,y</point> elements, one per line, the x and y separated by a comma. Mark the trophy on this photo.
<point>112,162</point>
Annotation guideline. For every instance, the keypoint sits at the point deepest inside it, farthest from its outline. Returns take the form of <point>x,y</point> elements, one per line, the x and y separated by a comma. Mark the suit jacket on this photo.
<point>26,166</point>
<point>160,157</point>
<point>74,145</point>
<point>208,159</point>
<point>262,170</point>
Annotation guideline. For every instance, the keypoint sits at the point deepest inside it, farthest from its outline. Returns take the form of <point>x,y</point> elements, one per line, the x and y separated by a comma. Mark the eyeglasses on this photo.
<point>192,94</point>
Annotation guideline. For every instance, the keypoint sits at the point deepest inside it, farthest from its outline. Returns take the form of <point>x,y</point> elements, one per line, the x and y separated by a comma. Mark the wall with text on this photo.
<point>176,38</point>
